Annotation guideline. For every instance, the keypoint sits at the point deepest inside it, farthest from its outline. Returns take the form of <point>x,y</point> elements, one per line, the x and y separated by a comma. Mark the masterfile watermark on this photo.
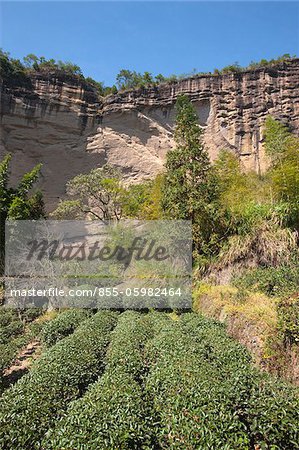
<point>122,264</point>
<point>140,249</point>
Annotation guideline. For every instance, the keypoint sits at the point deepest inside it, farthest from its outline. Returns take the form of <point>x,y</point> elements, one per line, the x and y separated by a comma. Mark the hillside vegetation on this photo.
<point>144,381</point>
<point>113,380</point>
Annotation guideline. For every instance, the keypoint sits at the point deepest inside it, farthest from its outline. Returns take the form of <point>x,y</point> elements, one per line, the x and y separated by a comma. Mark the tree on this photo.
<point>283,149</point>
<point>276,137</point>
<point>187,166</point>
<point>17,203</point>
<point>31,61</point>
<point>188,191</point>
<point>98,194</point>
<point>147,79</point>
<point>143,201</point>
<point>126,79</point>
<point>99,85</point>
<point>160,78</point>
<point>236,68</point>
<point>12,71</point>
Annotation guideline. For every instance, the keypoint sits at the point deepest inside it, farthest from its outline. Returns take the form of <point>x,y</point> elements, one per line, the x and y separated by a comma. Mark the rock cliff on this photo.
<point>61,122</point>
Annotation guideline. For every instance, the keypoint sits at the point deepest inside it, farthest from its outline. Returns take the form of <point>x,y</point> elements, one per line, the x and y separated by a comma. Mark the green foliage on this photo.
<point>206,394</point>
<point>236,68</point>
<point>271,62</point>
<point>62,325</point>
<point>113,414</point>
<point>288,319</point>
<point>98,194</point>
<point>101,88</point>
<point>188,190</point>
<point>259,214</point>
<point>202,392</point>
<point>276,137</point>
<point>233,68</point>
<point>10,325</point>
<point>143,201</point>
<point>17,203</point>
<point>101,194</point>
<point>15,332</point>
<point>283,150</point>
<point>12,71</point>
<point>62,374</point>
<point>127,79</point>
<point>17,73</point>
<point>243,198</point>
<point>273,281</point>
<point>41,64</point>
<point>185,189</point>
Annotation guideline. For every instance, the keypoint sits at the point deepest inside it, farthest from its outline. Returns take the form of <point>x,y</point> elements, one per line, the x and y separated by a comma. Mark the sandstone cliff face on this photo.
<point>61,122</point>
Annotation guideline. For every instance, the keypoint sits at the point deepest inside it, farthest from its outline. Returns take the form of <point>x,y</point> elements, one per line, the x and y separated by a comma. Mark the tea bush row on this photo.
<point>62,374</point>
<point>270,401</point>
<point>10,325</point>
<point>113,414</point>
<point>207,394</point>
<point>62,325</point>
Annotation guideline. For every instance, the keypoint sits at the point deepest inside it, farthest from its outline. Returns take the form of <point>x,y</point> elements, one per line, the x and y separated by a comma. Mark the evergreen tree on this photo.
<point>186,186</point>
<point>188,190</point>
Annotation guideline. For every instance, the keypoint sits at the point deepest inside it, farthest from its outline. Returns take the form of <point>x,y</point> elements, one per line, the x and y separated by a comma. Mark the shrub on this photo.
<point>10,325</point>
<point>63,325</point>
<point>189,395</point>
<point>12,71</point>
<point>62,374</point>
<point>274,281</point>
<point>7,354</point>
<point>206,393</point>
<point>112,415</point>
<point>288,319</point>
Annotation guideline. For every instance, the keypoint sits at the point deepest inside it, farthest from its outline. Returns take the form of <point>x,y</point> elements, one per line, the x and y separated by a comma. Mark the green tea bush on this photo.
<point>63,325</point>
<point>30,314</point>
<point>7,316</point>
<point>15,334</point>
<point>11,328</point>
<point>62,374</point>
<point>10,331</point>
<point>112,415</point>
<point>7,354</point>
<point>273,414</point>
<point>10,325</point>
<point>205,392</point>
<point>127,340</point>
<point>190,396</point>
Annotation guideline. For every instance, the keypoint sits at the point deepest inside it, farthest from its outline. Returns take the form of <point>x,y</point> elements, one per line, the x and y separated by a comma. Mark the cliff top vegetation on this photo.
<point>15,72</point>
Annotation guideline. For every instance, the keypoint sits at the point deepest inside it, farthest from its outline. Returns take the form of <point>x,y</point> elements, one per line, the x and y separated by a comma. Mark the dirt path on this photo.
<point>22,363</point>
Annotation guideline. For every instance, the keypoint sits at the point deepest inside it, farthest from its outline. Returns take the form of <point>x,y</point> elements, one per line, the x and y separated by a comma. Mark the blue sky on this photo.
<point>160,37</point>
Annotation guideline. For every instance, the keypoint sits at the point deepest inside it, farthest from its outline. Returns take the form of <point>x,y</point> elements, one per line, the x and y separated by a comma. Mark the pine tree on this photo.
<point>186,187</point>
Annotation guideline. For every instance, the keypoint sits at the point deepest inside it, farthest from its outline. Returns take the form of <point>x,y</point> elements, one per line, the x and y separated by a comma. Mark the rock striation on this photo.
<point>60,121</point>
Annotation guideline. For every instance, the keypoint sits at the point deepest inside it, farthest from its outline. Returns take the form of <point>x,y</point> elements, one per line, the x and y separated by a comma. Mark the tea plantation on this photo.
<point>111,381</point>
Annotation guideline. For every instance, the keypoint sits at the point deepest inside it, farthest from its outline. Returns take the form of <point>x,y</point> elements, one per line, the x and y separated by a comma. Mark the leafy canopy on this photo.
<point>17,203</point>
